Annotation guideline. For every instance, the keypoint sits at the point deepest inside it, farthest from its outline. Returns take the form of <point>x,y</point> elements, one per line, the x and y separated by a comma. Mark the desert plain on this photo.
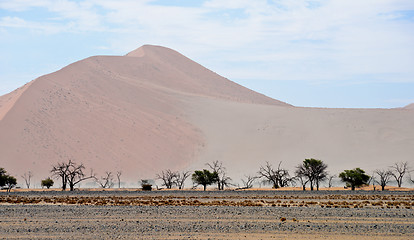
<point>192,214</point>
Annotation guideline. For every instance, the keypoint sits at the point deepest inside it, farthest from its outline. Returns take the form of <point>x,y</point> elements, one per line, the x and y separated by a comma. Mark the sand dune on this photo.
<point>410,106</point>
<point>155,109</point>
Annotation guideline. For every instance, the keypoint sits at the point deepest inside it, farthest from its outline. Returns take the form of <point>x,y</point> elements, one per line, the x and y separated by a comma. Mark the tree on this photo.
<point>384,176</point>
<point>277,178</point>
<point>248,181</point>
<point>118,176</point>
<point>70,173</point>
<point>107,181</point>
<point>180,178</point>
<point>76,175</point>
<point>398,171</point>
<point>48,182</point>
<point>7,180</point>
<point>314,170</point>
<point>223,179</point>
<point>330,178</point>
<point>61,170</point>
<point>168,177</point>
<point>300,175</point>
<point>354,178</point>
<point>205,178</point>
<point>3,174</point>
<point>11,182</point>
<point>27,177</point>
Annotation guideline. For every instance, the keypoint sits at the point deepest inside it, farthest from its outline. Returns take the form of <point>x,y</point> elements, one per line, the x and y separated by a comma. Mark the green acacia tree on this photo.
<point>7,180</point>
<point>48,182</point>
<point>3,174</point>
<point>354,178</point>
<point>11,182</point>
<point>312,169</point>
<point>205,178</point>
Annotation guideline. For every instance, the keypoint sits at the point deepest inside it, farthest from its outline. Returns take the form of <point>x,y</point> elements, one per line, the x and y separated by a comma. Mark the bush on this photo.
<point>47,183</point>
<point>146,185</point>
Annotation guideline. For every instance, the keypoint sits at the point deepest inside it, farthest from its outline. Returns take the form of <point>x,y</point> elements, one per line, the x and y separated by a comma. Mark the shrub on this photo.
<point>47,183</point>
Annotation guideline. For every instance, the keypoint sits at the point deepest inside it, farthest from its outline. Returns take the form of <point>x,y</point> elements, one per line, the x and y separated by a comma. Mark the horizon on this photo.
<point>326,54</point>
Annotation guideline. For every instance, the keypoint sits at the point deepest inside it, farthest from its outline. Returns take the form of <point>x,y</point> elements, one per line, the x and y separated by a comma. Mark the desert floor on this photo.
<point>207,215</point>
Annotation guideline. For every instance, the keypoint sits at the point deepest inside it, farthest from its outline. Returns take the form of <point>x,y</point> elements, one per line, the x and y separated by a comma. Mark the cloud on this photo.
<point>313,40</point>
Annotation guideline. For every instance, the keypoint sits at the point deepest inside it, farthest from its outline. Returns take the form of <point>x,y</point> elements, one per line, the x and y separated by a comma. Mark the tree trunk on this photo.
<point>382,187</point>
<point>311,186</point>
<point>205,186</point>
<point>353,187</point>
<point>63,184</point>
<point>304,187</point>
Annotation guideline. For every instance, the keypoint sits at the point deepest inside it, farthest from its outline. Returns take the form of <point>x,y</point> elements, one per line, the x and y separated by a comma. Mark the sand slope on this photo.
<point>410,106</point>
<point>155,109</point>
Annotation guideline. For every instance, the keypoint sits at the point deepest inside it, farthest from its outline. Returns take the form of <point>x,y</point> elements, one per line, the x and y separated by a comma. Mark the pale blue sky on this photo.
<point>315,53</point>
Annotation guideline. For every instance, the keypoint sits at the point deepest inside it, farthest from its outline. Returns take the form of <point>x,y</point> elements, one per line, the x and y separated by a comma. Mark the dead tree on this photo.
<point>398,171</point>
<point>180,178</point>
<point>384,177</point>
<point>61,171</point>
<point>118,176</point>
<point>27,177</point>
<point>248,181</point>
<point>301,176</point>
<point>106,181</point>
<point>70,173</point>
<point>276,177</point>
<point>75,175</point>
<point>168,177</point>
<point>330,178</point>
<point>217,167</point>
<point>224,180</point>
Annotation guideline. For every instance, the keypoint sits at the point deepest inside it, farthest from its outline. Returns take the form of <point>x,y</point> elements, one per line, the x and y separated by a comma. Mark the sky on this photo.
<point>311,53</point>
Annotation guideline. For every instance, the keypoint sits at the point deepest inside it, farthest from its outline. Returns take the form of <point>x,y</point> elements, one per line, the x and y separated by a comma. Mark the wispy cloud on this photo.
<point>277,40</point>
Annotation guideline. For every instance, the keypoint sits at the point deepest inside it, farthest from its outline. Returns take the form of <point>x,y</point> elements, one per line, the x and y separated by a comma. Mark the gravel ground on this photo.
<point>211,215</point>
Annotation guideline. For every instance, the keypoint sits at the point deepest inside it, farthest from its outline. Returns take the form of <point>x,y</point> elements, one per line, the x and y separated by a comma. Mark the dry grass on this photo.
<point>323,201</point>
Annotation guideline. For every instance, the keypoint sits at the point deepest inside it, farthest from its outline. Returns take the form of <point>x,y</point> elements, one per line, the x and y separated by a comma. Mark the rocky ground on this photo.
<point>207,215</point>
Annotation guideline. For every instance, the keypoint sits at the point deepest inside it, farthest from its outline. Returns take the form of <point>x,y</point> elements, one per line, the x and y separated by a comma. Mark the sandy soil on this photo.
<point>207,215</point>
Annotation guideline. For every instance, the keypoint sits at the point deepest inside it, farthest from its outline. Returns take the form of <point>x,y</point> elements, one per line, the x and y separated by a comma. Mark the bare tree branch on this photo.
<point>278,178</point>
<point>168,177</point>
<point>27,177</point>
<point>217,167</point>
<point>106,181</point>
<point>180,178</point>
<point>385,177</point>
<point>248,181</point>
<point>399,170</point>
<point>118,176</point>
<point>70,173</point>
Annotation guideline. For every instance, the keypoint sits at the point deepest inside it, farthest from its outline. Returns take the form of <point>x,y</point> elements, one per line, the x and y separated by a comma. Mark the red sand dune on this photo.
<point>155,109</point>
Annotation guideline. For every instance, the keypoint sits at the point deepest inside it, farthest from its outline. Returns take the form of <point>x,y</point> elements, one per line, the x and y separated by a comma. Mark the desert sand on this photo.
<point>155,109</point>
